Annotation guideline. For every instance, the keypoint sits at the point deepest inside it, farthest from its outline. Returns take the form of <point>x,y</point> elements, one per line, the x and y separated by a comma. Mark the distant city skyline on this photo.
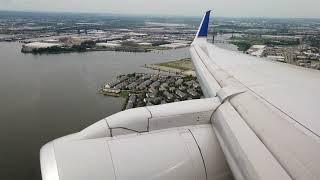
<point>226,8</point>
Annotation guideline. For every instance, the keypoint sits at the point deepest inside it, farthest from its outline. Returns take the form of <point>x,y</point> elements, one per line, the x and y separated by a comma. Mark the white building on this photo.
<point>38,45</point>
<point>145,44</point>
<point>256,50</point>
<point>276,58</point>
<point>108,45</point>
<point>174,45</point>
<point>51,41</point>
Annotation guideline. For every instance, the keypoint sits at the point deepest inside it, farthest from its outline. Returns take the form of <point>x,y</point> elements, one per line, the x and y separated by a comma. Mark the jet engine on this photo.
<point>172,141</point>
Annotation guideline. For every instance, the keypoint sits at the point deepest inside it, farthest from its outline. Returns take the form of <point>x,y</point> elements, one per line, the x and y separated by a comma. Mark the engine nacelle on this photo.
<point>186,153</point>
<point>145,119</point>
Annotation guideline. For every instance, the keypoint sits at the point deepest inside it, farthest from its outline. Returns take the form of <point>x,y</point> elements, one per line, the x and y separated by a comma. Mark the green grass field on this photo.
<point>184,64</point>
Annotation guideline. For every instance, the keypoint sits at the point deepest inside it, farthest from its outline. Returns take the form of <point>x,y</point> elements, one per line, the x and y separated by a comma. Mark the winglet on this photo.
<point>203,29</point>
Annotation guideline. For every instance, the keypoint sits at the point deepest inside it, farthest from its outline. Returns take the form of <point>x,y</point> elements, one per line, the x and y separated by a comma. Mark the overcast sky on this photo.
<point>232,8</point>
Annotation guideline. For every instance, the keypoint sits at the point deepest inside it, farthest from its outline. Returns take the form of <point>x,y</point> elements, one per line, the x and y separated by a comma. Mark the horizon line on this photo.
<point>154,15</point>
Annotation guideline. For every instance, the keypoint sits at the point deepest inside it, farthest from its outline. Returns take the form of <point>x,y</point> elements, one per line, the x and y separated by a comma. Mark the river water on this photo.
<point>43,97</point>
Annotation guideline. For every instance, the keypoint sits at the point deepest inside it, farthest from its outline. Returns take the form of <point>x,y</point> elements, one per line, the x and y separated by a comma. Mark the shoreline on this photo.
<point>182,67</point>
<point>98,49</point>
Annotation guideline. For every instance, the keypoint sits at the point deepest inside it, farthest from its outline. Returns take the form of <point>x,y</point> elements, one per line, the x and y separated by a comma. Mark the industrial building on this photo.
<point>38,45</point>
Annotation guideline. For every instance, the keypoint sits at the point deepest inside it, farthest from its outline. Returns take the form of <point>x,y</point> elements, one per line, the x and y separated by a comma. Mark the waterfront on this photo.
<point>148,89</point>
<point>47,96</point>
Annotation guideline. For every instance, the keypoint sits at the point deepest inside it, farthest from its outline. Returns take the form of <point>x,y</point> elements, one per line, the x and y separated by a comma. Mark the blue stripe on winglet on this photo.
<point>203,31</point>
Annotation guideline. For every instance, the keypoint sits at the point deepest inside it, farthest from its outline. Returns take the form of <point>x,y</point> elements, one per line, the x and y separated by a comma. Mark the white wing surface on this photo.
<point>275,105</point>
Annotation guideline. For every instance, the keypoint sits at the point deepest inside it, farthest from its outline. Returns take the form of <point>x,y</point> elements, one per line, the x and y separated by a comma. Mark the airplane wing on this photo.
<point>268,125</point>
<point>258,121</point>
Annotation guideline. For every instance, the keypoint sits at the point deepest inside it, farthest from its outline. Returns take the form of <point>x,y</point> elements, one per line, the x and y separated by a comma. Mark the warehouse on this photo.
<point>38,45</point>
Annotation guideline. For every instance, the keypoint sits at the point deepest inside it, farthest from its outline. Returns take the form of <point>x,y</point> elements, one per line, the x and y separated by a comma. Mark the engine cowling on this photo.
<point>146,119</point>
<point>186,153</point>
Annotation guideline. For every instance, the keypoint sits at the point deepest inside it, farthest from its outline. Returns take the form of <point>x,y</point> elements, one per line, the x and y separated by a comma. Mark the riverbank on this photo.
<point>81,49</point>
<point>87,46</point>
<point>179,67</point>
